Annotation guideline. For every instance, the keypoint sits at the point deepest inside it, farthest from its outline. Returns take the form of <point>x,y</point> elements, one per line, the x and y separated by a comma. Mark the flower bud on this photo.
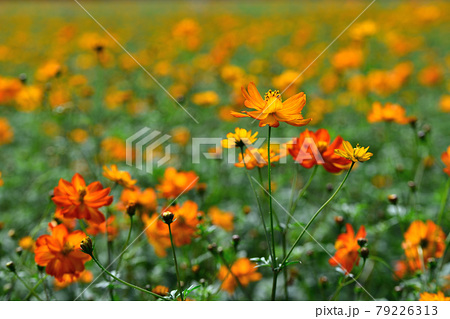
<point>86,246</point>
<point>412,186</point>
<point>393,199</point>
<point>330,187</point>
<point>201,188</point>
<point>246,209</point>
<point>236,239</point>
<point>11,267</point>
<point>131,209</point>
<point>323,281</point>
<point>19,251</point>
<point>168,217</point>
<point>364,252</point>
<point>212,247</point>
<point>432,264</point>
<point>220,250</point>
<point>339,220</point>
<point>362,242</point>
<point>23,78</point>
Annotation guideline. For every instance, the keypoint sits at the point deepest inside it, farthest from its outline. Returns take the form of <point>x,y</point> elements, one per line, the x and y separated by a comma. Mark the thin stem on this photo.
<point>176,264</point>
<point>269,180</point>
<point>258,202</point>
<point>126,243</point>
<point>126,283</point>
<point>31,291</point>
<point>347,282</point>
<point>270,197</point>
<point>443,202</point>
<point>317,214</point>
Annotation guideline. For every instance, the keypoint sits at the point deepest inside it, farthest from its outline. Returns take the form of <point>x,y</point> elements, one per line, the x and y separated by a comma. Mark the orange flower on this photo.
<point>145,200</point>
<point>1,180</point>
<point>107,226</point>
<point>347,58</point>
<point>272,110</point>
<point>161,290</point>
<point>174,183</point>
<point>389,113</point>
<point>60,252</point>
<point>120,177</point>
<point>9,87</point>
<point>207,98</point>
<point>76,200</point>
<point>430,75</point>
<point>27,243</point>
<point>221,218</point>
<point>49,70</point>
<point>184,227</point>
<point>439,296</point>
<point>445,157</point>
<point>258,157</point>
<point>318,151</point>
<point>85,277</point>
<point>444,103</point>
<point>6,132</point>
<point>347,247</point>
<point>423,241</point>
<point>243,269</point>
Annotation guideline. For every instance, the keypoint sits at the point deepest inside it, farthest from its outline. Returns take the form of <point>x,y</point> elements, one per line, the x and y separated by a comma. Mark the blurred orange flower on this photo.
<point>243,269</point>
<point>439,296</point>
<point>175,183</point>
<point>120,177</point>
<point>144,199</point>
<point>445,157</point>
<point>431,75</point>
<point>161,290</point>
<point>423,241</point>
<point>444,103</point>
<point>184,227</point>
<point>348,58</point>
<point>27,243</point>
<point>76,200</point>
<point>389,113</point>
<point>347,255</point>
<point>272,110</point>
<point>109,226</point>
<point>307,148</point>
<point>85,277</point>
<point>9,87</point>
<point>258,157</point>
<point>220,218</point>
<point>29,98</point>
<point>1,180</point>
<point>207,98</point>
<point>60,253</point>
<point>48,71</point>
<point>6,132</point>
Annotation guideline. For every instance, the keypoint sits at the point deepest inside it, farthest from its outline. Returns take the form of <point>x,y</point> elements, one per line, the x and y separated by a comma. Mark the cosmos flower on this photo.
<point>243,269</point>
<point>347,255</point>
<point>445,157</point>
<point>389,113</point>
<point>240,138</point>
<point>76,200</point>
<point>60,252</point>
<point>271,110</point>
<point>174,183</point>
<point>120,177</point>
<point>357,154</point>
<point>220,218</point>
<point>439,296</point>
<point>307,148</point>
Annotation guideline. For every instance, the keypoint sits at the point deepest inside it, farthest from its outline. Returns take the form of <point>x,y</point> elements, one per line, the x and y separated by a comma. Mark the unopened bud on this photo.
<point>412,186</point>
<point>131,209</point>
<point>11,267</point>
<point>236,239</point>
<point>323,281</point>
<point>330,187</point>
<point>19,251</point>
<point>212,247</point>
<point>220,250</point>
<point>339,220</point>
<point>432,264</point>
<point>86,246</point>
<point>201,188</point>
<point>246,209</point>
<point>364,252</point>
<point>168,217</point>
<point>23,78</point>
<point>393,199</point>
<point>362,242</point>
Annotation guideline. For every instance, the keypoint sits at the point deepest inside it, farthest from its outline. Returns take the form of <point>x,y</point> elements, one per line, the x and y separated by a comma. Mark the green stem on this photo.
<point>31,291</point>
<point>443,202</point>
<point>176,264</point>
<point>258,202</point>
<point>126,244</point>
<point>124,282</point>
<point>35,286</point>
<point>316,214</point>
<point>347,282</point>
<point>269,180</point>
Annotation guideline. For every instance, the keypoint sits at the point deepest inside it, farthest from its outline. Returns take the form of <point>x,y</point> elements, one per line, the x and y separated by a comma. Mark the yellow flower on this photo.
<point>207,98</point>
<point>239,138</point>
<point>1,180</point>
<point>27,243</point>
<point>120,177</point>
<point>426,296</point>
<point>357,154</point>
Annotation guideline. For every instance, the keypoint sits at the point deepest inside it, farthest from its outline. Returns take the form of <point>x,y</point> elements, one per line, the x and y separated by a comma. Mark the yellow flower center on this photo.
<point>273,102</point>
<point>67,249</point>
<point>322,146</point>
<point>275,94</point>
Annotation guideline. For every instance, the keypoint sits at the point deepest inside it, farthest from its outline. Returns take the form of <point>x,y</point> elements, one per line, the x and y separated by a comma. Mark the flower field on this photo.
<point>214,150</point>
